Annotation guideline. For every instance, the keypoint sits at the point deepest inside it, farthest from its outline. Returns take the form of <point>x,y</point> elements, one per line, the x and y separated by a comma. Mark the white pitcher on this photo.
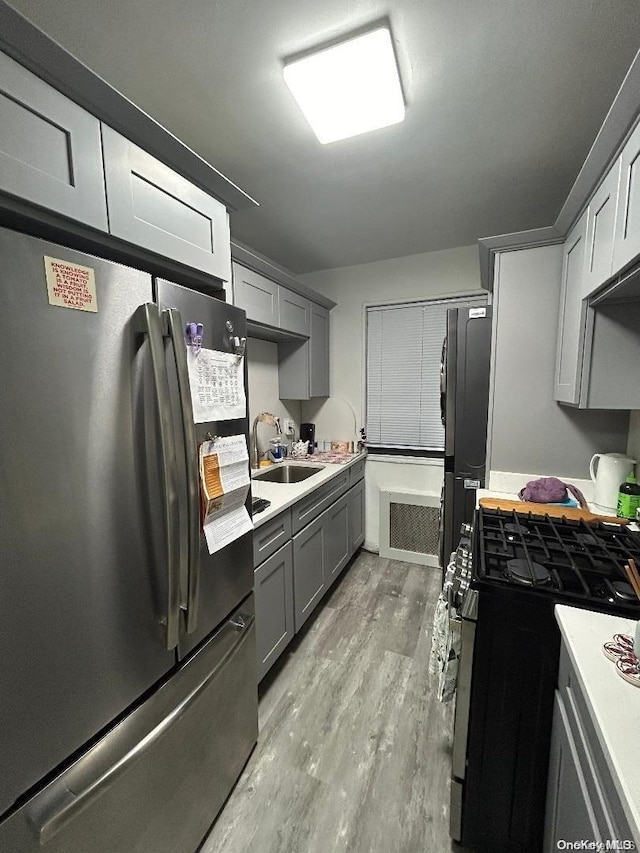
<point>608,471</point>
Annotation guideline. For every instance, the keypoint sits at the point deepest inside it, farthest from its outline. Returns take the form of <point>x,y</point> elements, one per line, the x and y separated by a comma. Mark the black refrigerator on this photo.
<point>128,670</point>
<point>464,406</point>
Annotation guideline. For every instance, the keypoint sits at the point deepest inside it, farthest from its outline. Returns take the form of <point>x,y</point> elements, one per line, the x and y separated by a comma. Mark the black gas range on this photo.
<point>574,561</point>
<point>515,568</point>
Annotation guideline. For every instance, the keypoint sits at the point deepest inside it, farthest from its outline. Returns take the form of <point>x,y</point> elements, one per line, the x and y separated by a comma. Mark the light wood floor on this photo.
<point>354,747</point>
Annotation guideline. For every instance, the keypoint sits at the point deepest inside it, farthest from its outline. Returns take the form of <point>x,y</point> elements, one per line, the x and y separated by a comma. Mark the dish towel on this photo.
<point>549,490</point>
<point>445,646</point>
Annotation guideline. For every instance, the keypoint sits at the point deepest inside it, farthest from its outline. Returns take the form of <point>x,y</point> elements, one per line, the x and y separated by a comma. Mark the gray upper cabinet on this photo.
<point>319,367</point>
<point>295,312</point>
<point>152,206</point>
<point>627,236</point>
<point>50,152</point>
<point>601,219</point>
<point>257,295</point>
<point>572,317</point>
<point>303,368</point>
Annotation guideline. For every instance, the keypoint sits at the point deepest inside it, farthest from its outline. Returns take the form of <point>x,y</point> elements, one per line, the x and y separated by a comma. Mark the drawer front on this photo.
<point>174,760</point>
<point>356,472</point>
<point>152,206</point>
<point>295,312</point>
<point>50,151</point>
<point>309,508</point>
<point>257,295</point>
<point>270,536</point>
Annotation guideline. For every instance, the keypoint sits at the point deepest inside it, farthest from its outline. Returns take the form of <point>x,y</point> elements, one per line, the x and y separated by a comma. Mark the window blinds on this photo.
<point>404,347</point>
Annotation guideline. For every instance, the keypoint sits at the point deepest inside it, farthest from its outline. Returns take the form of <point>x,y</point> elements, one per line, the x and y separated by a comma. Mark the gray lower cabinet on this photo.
<point>337,538</point>
<point>292,576</point>
<point>570,813</point>
<point>50,151</point>
<point>309,569</point>
<point>582,799</point>
<point>356,516</point>
<point>152,206</point>
<point>274,607</point>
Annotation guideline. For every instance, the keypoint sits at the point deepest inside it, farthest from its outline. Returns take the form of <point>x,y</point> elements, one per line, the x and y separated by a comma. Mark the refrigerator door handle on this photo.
<point>149,324</point>
<point>87,779</point>
<point>192,484</point>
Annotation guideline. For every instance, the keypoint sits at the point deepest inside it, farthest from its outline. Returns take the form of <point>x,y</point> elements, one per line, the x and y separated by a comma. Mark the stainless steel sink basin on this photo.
<point>288,473</point>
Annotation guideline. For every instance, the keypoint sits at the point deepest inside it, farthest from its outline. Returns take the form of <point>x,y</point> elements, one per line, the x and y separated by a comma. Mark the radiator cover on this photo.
<point>409,526</point>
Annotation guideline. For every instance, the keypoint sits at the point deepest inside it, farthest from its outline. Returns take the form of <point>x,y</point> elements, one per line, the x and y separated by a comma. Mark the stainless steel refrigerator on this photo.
<point>128,699</point>
<point>464,405</point>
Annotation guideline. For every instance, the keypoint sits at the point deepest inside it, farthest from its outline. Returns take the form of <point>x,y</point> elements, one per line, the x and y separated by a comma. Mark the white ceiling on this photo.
<point>504,98</point>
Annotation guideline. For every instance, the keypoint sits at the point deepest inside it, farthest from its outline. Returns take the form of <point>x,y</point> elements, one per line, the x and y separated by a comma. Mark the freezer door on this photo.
<point>155,783</point>
<point>213,585</point>
<point>457,506</point>
<point>84,566</point>
<point>470,393</point>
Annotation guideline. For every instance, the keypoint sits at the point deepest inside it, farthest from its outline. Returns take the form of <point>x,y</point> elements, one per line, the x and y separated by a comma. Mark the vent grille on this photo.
<point>413,528</point>
<point>409,526</point>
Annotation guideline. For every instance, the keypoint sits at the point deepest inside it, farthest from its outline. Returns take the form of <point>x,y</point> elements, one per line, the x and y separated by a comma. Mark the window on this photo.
<point>404,347</point>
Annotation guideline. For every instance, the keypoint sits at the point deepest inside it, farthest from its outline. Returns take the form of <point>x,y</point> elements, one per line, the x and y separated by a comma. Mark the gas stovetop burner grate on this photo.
<point>528,572</point>
<point>569,558</point>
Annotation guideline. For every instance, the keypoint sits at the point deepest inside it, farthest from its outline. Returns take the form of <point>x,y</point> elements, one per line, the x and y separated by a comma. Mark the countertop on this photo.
<point>284,495</point>
<point>614,705</point>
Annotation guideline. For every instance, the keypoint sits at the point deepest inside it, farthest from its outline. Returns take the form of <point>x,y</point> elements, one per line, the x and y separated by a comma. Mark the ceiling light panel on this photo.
<point>350,88</point>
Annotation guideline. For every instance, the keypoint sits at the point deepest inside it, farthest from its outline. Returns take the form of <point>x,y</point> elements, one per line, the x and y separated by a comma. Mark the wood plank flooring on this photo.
<point>354,747</point>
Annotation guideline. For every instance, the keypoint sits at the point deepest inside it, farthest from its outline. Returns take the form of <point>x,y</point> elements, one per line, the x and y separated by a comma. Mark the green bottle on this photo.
<point>628,497</point>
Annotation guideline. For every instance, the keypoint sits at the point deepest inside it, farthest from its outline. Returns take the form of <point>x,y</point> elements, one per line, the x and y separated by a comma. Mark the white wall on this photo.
<point>413,277</point>
<point>529,431</point>
<point>262,363</point>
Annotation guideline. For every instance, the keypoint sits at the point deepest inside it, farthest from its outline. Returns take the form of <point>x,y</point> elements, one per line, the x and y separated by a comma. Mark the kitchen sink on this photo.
<point>288,473</point>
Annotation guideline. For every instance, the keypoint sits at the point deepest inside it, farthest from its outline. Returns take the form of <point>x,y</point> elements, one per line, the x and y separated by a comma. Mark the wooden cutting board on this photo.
<point>549,509</point>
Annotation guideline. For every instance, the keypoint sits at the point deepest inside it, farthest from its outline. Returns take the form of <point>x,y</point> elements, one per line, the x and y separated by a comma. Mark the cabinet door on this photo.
<point>274,607</point>
<point>627,236</point>
<point>295,312</point>
<point>569,813</point>
<point>319,352</point>
<point>50,152</point>
<point>356,516</point>
<point>337,538</point>
<point>572,318</point>
<point>309,554</point>
<point>601,220</point>
<point>152,206</point>
<point>257,295</point>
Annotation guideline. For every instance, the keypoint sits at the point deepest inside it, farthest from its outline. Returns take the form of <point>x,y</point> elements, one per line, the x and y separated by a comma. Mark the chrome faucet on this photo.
<point>262,418</point>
